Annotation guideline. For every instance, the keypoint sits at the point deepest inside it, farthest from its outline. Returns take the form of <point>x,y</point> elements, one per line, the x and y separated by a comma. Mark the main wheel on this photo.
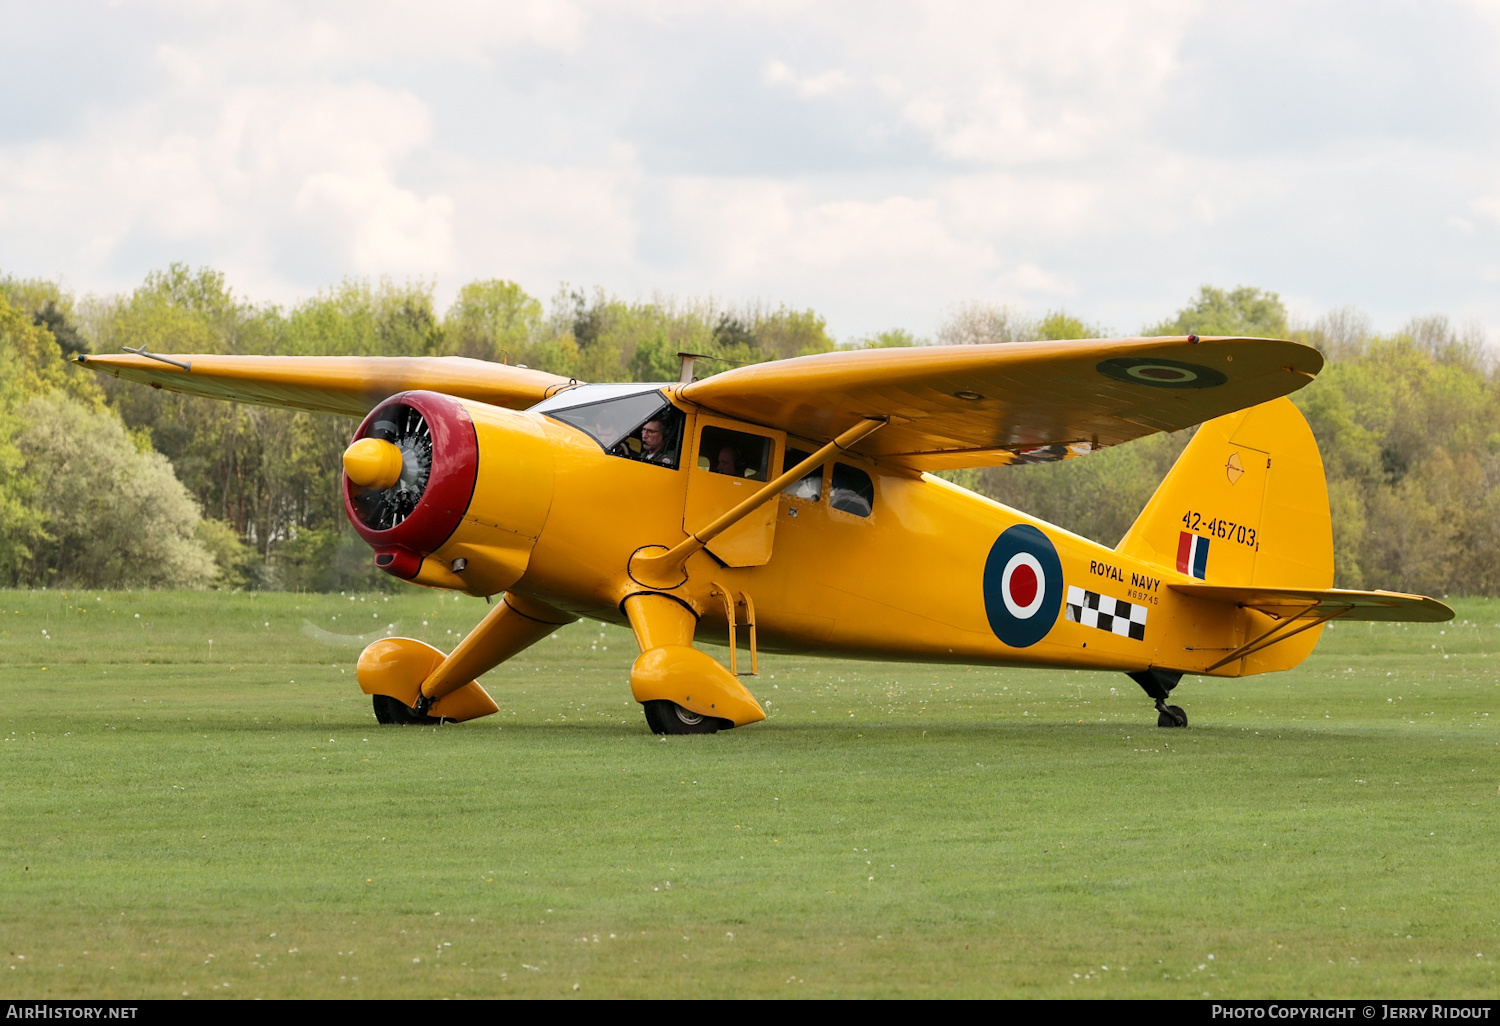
<point>1171,716</point>
<point>664,717</point>
<point>392,711</point>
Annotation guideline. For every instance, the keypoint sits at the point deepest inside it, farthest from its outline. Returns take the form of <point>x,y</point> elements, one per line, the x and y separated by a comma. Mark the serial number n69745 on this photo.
<point>1219,527</point>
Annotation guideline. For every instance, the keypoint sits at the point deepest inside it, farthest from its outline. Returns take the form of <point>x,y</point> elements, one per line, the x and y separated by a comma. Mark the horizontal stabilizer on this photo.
<point>1324,603</point>
<point>348,385</point>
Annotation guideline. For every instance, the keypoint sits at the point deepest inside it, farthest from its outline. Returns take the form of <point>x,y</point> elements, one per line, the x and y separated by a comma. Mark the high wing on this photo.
<point>1019,402</point>
<point>348,385</point>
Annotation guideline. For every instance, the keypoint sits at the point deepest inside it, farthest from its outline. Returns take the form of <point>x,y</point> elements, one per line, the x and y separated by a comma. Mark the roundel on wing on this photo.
<point>1023,586</point>
<point>1161,373</point>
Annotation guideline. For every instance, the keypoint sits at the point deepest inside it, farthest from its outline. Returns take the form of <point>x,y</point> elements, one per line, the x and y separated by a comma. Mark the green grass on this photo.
<point>179,818</point>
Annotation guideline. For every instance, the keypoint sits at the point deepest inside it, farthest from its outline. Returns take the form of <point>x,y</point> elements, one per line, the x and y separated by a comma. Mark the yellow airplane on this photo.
<point>793,503</point>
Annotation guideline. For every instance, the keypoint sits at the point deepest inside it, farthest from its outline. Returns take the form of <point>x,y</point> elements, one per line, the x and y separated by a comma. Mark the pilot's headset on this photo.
<point>671,427</point>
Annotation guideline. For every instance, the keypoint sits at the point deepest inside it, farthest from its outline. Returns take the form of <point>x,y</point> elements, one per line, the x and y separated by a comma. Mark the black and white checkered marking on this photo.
<point>1127,619</point>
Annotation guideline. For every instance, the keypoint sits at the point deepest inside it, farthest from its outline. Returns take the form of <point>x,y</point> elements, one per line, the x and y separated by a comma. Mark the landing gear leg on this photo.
<point>681,690</point>
<point>413,683</point>
<point>1158,684</point>
<point>1170,715</point>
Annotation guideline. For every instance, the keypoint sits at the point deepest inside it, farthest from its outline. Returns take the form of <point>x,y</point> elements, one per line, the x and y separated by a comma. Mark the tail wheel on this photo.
<point>391,711</point>
<point>1171,716</point>
<point>665,717</point>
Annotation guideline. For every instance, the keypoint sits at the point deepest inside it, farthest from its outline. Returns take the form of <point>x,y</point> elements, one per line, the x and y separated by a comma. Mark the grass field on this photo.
<point>195,800</point>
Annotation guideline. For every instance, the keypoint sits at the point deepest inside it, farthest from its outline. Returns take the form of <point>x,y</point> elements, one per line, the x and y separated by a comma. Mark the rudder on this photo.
<point>1245,504</point>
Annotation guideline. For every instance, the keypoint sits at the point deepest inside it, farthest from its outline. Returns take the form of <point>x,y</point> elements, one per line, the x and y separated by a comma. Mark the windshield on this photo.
<point>583,395</point>
<point>613,420</point>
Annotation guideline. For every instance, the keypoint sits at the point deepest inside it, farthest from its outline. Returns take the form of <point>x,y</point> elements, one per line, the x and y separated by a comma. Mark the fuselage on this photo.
<point>916,578</point>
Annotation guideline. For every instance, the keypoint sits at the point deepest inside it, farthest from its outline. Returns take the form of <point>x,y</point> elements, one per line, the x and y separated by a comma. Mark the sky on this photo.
<point>881,163</point>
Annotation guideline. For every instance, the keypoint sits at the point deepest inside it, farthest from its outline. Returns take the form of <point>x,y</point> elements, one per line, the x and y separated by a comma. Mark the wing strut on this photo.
<point>141,351</point>
<point>664,570</point>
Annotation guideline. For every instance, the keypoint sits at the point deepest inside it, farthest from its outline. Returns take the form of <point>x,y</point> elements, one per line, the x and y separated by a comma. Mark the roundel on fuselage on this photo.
<point>1023,586</point>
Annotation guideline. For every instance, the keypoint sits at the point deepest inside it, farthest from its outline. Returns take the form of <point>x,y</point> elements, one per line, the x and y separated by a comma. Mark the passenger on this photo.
<point>730,462</point>
<point>654,445</point>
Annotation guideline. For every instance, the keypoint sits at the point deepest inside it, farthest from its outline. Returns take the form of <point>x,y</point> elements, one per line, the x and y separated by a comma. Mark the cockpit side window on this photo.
<point>735,453</point>
<point>638,427</point>
<point>809,486</point>
<point>851,490</point>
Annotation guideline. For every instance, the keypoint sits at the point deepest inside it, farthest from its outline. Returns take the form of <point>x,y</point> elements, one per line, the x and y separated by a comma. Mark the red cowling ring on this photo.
<point>450,484</point>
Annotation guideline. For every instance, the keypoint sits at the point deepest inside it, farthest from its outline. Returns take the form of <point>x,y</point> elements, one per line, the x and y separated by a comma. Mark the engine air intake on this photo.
<point>409,474</point>
<point>404,428</point>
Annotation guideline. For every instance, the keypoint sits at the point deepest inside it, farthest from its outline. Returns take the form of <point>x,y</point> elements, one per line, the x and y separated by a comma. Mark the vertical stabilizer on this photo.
<point>1245,504</point>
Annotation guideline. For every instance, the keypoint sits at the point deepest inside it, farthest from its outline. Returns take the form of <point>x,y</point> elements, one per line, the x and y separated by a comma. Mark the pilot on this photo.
<point>654,445</point>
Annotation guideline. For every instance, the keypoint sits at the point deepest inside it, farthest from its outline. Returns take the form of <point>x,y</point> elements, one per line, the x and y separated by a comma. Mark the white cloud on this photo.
<point>806,86</point>
<point>237,171</point>
<point>541,224</point>
<point>278,38</point>
<point>389,230</point>
<point>877,161</point>
<point>1489,206</point>
<point>1012,83</point>
<point>350,128</point>
<point>1030,280</point>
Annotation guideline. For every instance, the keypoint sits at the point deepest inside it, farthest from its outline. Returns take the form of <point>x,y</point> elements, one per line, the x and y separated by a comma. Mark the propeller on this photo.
<point>404,428</point>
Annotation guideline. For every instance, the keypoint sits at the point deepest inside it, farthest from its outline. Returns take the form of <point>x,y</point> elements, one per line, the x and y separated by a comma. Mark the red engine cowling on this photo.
<point>440,463</point>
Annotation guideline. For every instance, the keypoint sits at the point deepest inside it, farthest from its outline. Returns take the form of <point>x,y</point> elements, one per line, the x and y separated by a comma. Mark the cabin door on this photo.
<point>727,462</point>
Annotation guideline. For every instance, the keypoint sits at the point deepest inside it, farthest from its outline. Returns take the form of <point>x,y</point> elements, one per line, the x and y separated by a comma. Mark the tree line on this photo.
<point>107,484</point>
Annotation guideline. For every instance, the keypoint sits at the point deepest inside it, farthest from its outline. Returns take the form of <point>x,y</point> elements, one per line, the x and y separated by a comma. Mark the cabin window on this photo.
<point>809,487</point>
<point>851,490</point>
<point>735,453</point>
<point>637,427</point>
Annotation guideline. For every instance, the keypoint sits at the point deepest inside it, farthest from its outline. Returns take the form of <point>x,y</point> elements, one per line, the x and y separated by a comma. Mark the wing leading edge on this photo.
<point>348,385</point>
<point>948,406</point>
<point>992,405</point>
